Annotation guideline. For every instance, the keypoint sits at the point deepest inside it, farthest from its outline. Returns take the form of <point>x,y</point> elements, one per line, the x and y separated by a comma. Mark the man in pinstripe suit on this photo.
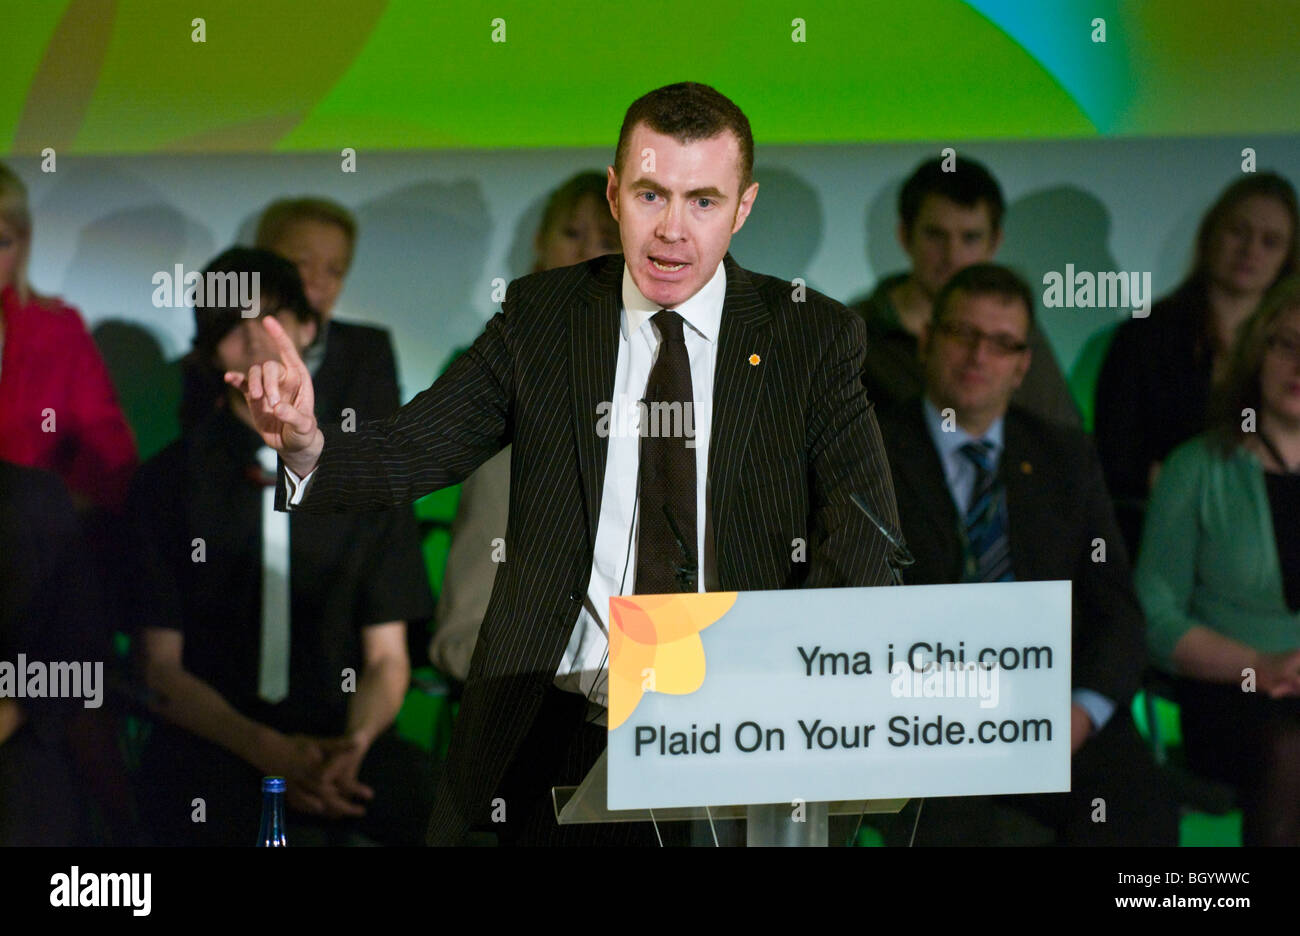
<point>782,435</point>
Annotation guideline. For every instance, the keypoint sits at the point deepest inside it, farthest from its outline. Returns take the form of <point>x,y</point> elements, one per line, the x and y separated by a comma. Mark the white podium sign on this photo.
<point>834,694</point>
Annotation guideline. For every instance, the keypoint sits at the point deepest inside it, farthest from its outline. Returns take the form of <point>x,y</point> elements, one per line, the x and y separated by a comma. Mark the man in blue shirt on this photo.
<point>988,492</point>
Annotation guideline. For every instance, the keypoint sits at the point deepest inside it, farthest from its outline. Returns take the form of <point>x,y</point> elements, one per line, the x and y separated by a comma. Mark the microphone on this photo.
<point>901,557</point>
<point>686,572</point>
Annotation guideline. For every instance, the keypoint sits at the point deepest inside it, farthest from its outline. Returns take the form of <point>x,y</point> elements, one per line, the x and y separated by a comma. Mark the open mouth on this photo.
<point>664,266</point>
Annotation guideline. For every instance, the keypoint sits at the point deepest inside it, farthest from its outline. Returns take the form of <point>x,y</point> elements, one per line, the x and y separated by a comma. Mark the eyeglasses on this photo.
<point>970,337</point>
<point>1283,346</point>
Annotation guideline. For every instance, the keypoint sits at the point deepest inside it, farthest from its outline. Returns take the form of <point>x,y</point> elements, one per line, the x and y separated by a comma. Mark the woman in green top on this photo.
<point>1218,575</point>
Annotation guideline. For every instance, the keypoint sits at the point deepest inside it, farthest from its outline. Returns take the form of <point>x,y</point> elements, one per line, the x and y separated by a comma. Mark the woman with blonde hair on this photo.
<point>1219,575</point>
<point>58,408</point>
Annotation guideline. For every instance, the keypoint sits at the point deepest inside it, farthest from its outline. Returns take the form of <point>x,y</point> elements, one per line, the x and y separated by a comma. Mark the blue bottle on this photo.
<point>271,834</point>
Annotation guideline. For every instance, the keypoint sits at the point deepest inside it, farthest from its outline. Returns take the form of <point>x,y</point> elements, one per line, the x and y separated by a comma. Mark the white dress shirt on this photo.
<point>958,470</point>
<point>583,668</point>
<point>273,658</point>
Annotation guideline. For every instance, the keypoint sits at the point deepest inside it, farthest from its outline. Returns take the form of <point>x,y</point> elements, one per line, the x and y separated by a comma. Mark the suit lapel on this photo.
<point>924,478</point>
<point>737,387</point>
<point>593,359</point>
<point>327,380</point>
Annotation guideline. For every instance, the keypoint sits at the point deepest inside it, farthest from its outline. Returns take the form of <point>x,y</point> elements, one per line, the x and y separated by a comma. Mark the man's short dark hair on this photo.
<point>984,279</point>
<point>279,289</point>
<point>687,112</point>
<point>968,184</point>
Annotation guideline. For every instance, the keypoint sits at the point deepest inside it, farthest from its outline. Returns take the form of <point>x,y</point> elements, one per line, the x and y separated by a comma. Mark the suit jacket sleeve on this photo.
<point>437,439</point>
<point>846,454</point>
<point>1108,634</point>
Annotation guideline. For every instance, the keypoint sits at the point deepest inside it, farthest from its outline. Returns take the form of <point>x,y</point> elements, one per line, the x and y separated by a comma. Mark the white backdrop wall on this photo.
<point>438,227</point>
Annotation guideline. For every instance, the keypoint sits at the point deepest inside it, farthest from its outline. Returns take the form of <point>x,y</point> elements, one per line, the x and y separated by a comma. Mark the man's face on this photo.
<point>946,238</point>
<point>248,343</point>
<point>677,207</point>
<point>322,253</point>
<point>969,364</point>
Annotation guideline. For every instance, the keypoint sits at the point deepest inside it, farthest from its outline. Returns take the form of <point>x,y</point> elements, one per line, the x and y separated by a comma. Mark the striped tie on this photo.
<point>988,558</point>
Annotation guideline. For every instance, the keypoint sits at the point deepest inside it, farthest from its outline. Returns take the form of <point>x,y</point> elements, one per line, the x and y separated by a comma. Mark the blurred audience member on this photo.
<point>1155,384</point>
<point>300,675</point>
<point>1219,574</point>
<point>59,412</point>
<point>947,220</point>
<point>993,493</point>
<point>46,602</point>
<point>352,365</point>
<point>58,409</point>
<point>576,226</point>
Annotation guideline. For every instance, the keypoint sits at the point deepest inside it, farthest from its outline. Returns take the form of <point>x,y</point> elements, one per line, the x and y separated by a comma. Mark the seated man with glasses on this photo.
<point>988,492</point>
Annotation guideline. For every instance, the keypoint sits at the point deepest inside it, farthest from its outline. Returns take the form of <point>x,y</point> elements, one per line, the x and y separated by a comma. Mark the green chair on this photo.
<point>1210,813</point>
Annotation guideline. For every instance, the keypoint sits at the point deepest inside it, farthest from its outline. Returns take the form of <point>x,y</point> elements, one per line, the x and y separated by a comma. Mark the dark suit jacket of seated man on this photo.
<point>1057,510</point>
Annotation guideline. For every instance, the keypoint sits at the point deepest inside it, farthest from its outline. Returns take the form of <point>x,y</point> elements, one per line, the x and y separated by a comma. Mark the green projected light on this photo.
<point>85,76</point>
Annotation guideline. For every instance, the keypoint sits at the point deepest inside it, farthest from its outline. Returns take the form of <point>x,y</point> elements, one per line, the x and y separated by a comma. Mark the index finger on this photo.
<point>283,343</point>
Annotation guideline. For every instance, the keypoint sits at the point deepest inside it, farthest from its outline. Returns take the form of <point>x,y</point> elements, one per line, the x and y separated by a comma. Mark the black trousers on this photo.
<point>1251,742</point>
<point>559,751</point>
<point>40,802</point>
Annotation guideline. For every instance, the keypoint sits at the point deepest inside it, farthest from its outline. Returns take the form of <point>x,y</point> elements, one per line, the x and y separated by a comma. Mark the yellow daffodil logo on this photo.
<point>654,644</point>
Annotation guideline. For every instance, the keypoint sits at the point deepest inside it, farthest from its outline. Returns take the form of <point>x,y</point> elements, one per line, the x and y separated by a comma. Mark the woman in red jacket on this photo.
<point>58,409</point>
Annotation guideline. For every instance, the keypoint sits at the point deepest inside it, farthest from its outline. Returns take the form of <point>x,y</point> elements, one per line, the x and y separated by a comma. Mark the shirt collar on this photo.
<point>949,444</point>
<point>702,312</point>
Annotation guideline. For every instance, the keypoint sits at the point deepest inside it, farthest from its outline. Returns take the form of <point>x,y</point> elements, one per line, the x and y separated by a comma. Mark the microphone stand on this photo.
<point>898,559</point>
<point>688,571</point>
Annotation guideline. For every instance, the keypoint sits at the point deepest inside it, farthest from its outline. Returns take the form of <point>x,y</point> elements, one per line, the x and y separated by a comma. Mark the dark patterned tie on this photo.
<point>988,557</point>
<point>666,552</point>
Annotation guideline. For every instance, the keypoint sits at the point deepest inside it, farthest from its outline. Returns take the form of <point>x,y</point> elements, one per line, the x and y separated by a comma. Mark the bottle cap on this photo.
<point>273,784</point>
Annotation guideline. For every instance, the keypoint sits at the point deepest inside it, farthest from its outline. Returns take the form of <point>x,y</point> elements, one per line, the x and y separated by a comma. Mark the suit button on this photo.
<point>575,596</point>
